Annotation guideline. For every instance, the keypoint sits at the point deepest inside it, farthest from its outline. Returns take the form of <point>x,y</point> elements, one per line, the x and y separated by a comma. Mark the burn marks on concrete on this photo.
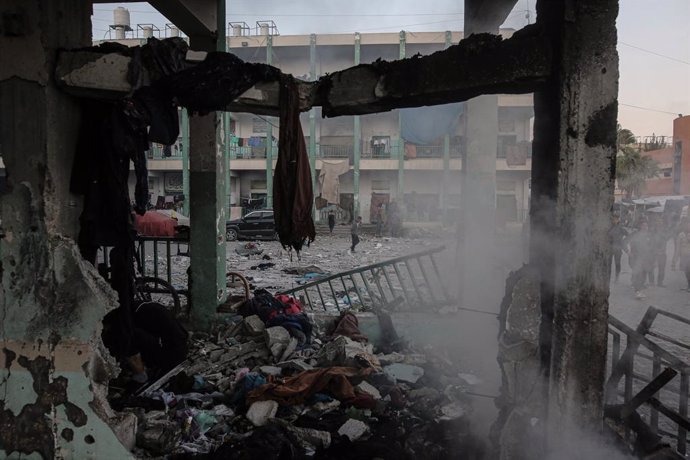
<point>32,429</point>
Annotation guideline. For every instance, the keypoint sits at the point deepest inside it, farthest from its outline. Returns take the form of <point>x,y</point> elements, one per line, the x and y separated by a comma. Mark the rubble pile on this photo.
<point>273,382</point>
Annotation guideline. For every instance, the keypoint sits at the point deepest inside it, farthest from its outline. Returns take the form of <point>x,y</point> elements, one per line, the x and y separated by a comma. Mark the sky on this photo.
<point>653,40</point>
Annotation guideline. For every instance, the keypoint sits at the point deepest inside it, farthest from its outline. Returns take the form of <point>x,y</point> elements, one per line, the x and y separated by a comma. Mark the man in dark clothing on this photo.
<point>355,232</point>
<point>660,237</point>
<point>641,257</point>
<point>331,220</point>
<point>617,235</point>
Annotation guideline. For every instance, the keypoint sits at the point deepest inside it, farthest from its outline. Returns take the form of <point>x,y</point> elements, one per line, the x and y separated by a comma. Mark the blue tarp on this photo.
<point>428,125</point>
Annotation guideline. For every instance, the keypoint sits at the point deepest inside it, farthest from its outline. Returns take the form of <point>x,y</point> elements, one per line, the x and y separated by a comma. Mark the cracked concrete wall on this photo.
<point>51,302</point>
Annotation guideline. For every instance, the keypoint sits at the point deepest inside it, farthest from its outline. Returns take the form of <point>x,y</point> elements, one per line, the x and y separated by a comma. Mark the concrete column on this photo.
<point>572,194</point>
<point>185,161</point>
<point>357,137</point>
<point>478,186</point>
<point>52,375</point>
<point>401,144</point>
<point>446,153</point>
<point>207,200</point>
<point>312,120</point>
<point>269,135</point>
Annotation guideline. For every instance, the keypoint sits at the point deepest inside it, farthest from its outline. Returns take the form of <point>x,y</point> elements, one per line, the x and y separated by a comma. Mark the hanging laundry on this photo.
<point>329,179</point>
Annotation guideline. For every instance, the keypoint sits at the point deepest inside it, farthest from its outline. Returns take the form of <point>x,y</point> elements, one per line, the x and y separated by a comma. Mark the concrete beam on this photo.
<point>484,15</point>
<point>482,64</point>
<point>196,18</point>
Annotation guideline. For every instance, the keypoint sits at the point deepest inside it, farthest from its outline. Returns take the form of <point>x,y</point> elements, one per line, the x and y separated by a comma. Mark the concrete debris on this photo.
<point>277,340</point>
<point>289,349</point>
<point>271,370</point>
<point>261,411</point>
<point>254,325</point>
<point>343,351</point>
<point>353,429</point>
<point>404,372</point>
<point>220,400</point>
<point>369,389</point>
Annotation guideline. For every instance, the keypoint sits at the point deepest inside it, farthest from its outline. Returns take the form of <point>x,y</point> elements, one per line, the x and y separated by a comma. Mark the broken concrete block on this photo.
<point>277,339</point>
<point>253,325</point>
<point>452,411</point>
<point>261,412</point>
<point>369,389</point>
<point>271,370</point>
<point>215,355</point>
<point>343,351</point>
<point>391,358</point>
<point>353,429</point>
<point>404,372</point>
<point>291,347</point>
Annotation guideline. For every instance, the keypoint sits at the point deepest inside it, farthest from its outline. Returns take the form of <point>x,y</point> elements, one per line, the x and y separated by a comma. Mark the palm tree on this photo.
<point>632,168</point>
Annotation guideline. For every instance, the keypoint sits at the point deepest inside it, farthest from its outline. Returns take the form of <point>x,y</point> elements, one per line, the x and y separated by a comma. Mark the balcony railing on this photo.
<point>248,153</point>
<point>158,151</point>
<point>336,151</point>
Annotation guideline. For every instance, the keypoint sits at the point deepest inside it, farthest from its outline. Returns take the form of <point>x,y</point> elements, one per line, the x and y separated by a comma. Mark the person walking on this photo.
<point>355,232</point>
<point>684,251</point>
<point>660,237</point>
<point>379,220</point>
<point>617,235</point>
<point>331,221</point>
<point>641,258</point>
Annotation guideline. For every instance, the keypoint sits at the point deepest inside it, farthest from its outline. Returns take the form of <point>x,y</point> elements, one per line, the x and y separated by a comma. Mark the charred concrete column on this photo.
<point>572,194</point>
<point>443,196</point>
<point>357,138</point>
<point>207,196</point>
<point>52,376</point>
<point>312,120</point>
<point>478,186</point>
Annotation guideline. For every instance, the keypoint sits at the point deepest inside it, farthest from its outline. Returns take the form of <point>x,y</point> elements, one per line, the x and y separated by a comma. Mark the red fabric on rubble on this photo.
<point>292,305</point>
<point>293,195</point>
<point>349,327</point>
<point>335,381</point>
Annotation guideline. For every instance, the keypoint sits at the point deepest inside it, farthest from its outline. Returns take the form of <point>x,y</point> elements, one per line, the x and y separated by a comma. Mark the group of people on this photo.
<point>647,250</point>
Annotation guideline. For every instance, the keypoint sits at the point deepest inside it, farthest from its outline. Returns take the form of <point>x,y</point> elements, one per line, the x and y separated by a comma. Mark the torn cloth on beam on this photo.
<point>293,196</point>
<point>216,82</point>
<point>329,179</point>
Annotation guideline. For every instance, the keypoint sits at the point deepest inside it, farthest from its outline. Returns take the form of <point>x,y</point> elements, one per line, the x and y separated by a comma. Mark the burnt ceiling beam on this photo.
<point>487,14</point>
<point>480,64</point>
<point>196,18</point>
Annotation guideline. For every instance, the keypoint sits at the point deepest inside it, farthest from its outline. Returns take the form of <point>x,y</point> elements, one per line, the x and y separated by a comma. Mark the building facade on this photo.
<point>673,162</point>
<point>410,156</point>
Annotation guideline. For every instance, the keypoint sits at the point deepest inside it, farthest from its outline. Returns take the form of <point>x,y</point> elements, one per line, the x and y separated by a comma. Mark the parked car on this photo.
<point>255,225</point>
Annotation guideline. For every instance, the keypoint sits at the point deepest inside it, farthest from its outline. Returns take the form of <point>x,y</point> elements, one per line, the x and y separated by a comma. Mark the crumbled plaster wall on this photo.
<point>52,366</point>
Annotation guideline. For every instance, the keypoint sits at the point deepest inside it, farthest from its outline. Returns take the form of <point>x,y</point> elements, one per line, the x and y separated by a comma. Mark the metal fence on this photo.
<point>645,374</point>
<point>413,279</point>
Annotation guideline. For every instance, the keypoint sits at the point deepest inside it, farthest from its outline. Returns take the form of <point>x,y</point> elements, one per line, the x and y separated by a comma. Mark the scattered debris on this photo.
<point>256,389</point>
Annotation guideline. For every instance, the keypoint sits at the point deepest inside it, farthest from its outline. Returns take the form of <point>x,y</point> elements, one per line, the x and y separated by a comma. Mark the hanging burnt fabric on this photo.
<point>293,196</point>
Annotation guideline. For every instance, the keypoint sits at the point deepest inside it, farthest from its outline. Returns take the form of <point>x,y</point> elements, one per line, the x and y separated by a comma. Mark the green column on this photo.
<point>207,200</point>
<point>446,153</point>
<point>226,139</point>
<point>357,136</point>
<point>269,135</point>
<point>185,161</point>
<point>401,144</point>
<point>312,121</point>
